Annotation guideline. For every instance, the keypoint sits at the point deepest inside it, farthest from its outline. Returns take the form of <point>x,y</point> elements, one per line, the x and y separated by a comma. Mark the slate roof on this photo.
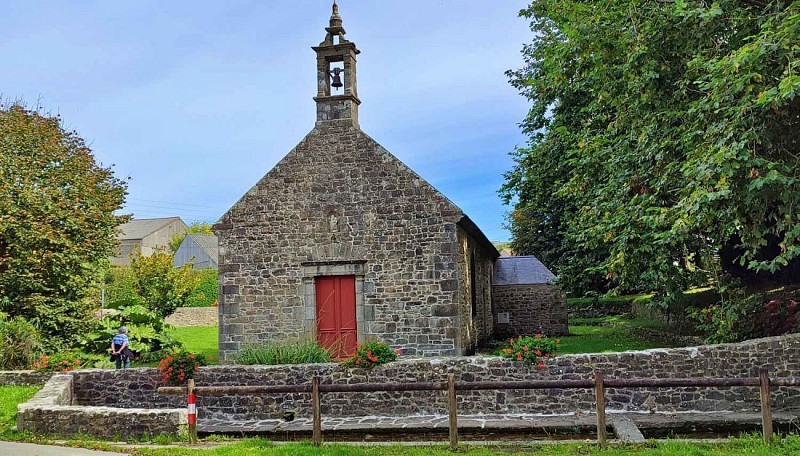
<point>520,270</point>
<point>141,228</point>
<point>208,242</point>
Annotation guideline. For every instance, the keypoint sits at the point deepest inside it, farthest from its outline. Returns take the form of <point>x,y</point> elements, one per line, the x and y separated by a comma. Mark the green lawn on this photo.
<point>599,339</point>
<point>260,447</point>
<point>200,339</point>
<point>10,397</point>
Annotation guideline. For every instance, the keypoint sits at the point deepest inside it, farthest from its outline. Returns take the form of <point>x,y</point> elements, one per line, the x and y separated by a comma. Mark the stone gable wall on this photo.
<point>781,355</point>
<point>340,202</point>
<point>532,309</point>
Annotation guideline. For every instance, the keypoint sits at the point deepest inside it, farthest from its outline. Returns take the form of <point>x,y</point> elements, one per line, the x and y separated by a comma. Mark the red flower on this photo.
<point>398,351</point>
<point>511,341</point>
<point>538,353</point>
<point>358,361</point>
<point>519,356</point>
<point>525,348</point>
<point>540,365</point>
<point>538,336</point>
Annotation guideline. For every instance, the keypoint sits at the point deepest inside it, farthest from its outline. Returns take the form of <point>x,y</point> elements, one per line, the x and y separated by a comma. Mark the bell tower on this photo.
<point>337,89</point>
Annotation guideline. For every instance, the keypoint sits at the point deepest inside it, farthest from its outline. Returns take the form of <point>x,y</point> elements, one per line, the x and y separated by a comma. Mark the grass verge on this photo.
<point>10,397</point>
<point>750,445</point>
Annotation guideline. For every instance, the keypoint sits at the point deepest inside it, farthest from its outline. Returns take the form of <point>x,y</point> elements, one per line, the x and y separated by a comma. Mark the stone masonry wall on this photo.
<point>781,355</point>
<point>476,324</point>
<point>532,309</point>
<point>340,204</point>
<point>23,377</point>
<point>194,316</point>
<point>51,411</point>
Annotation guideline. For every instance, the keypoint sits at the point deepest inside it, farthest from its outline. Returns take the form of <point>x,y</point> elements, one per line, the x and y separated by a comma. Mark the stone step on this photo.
<point>626,430</point>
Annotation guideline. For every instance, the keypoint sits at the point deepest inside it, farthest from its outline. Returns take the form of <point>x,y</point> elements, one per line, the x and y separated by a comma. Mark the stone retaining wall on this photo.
<point>781,355</point>
<point>23,377</point>
<point>52,411</point>
<point>194,316</point>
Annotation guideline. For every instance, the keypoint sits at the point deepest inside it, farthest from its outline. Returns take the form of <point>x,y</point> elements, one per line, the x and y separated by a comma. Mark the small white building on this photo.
<point>201,250</point>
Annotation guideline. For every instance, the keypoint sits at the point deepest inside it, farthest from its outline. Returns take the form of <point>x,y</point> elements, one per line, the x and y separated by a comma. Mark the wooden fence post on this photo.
<point>766,412</point>
<point>315,410</point>
<point>192,412</point>
<point>452,407</point>
<point>600,401</point>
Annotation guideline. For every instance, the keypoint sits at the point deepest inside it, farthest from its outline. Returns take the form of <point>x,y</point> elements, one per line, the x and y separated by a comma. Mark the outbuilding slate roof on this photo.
<point>139,229</point>
<point>521,270</point>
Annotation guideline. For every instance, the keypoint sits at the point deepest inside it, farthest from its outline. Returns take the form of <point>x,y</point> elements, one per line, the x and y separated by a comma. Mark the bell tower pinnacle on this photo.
<point>337,89</point>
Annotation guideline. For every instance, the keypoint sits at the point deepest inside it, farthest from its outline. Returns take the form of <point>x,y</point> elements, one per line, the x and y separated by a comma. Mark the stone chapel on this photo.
<point>342,243</point>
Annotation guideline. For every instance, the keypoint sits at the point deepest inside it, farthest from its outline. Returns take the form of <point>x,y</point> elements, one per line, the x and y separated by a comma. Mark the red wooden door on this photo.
<point>336,314</point>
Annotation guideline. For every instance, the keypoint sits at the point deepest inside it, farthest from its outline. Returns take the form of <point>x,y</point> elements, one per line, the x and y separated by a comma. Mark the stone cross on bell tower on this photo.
<point>337,90</point>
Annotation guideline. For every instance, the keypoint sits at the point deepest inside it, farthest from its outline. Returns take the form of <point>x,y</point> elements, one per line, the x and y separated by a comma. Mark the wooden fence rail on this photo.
<point>599,383</point>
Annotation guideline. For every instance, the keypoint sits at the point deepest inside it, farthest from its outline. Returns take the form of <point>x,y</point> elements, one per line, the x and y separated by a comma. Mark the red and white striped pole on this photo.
<point>192,420</point>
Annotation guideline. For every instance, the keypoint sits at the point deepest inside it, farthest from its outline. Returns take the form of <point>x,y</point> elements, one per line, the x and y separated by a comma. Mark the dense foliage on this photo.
<point>206,292</point>
<point>19,343</point>
<point>159,285</point>
<point>57,223</point>
<point>147,332</point>
<point>748,316</point>
<point>120,280</point>
<point>372,353</point>
<point>291,352</point>
<point>661,134</point>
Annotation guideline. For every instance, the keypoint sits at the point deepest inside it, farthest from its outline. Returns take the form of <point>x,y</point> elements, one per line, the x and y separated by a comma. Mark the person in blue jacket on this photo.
<point>121,354</point>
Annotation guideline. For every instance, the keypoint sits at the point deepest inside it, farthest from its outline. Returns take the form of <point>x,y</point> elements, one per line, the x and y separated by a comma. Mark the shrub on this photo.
<point>179,366</point>
<point>119,282</point>
<point>530,349</point>
<point>372,354</point>
<point>293,352</point>
<point>19,342</point>
<point>743,317</point>
<point>206,293</point>
<point>63,362</point>
<point>158,284</point>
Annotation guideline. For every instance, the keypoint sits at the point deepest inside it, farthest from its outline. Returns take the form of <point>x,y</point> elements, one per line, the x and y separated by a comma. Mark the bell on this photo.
<point>337,82</point>
<point>337,79</point>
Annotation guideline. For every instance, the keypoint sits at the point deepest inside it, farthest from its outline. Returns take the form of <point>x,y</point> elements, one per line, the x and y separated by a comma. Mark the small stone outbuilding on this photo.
<point>525,300</point>
<point>342,243</point>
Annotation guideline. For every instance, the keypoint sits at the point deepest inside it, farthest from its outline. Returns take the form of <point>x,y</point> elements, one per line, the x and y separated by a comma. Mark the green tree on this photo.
<point>661,132</point>
<point>159,285</point>
<point>195,227</point>
<point>57,223</point>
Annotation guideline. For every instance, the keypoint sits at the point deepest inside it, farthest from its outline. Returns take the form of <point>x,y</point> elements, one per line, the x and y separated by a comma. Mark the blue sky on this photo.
<point>196,100</point>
